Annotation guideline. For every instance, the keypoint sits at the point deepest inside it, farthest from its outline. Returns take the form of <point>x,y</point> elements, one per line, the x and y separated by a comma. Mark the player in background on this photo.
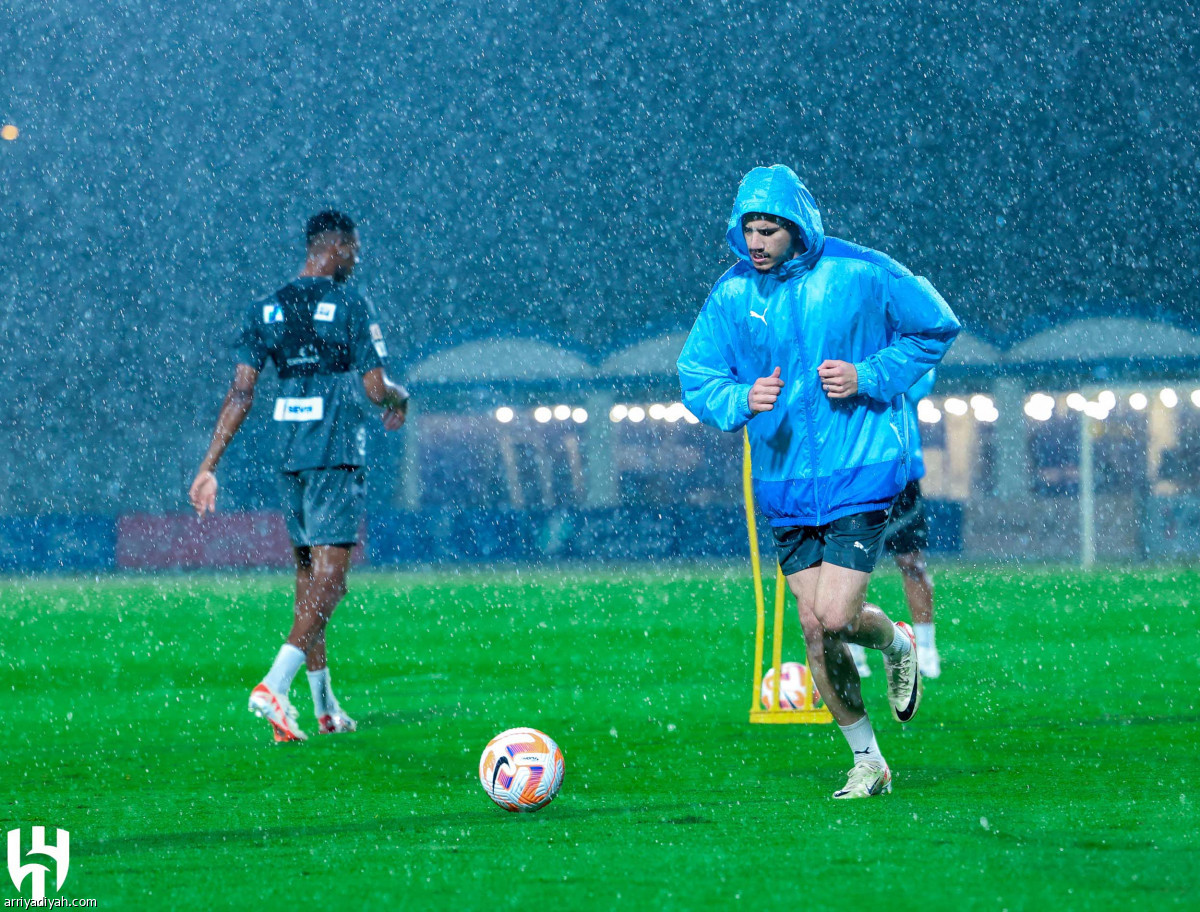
<point>322,337</point>
<point>906,539</point>
<point>809,342</point>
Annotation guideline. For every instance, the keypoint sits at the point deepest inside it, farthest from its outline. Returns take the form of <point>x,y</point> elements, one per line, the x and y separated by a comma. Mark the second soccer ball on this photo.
<point>794,684</point>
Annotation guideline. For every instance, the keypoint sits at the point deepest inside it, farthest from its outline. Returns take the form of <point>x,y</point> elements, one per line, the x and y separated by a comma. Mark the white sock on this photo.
<point>924,635</point>
<point>324,702</point>
<point>862,741</point>
<point>287,663</point>
<point>900,645</point>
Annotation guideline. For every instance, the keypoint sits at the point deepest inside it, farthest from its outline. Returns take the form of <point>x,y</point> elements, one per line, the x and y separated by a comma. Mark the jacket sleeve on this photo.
<point>707,375</point>
<point>922,388</point>
<point>924,326</point>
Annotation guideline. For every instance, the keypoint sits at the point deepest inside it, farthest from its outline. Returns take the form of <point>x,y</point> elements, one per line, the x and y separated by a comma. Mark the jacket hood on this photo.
<point>778,191</point>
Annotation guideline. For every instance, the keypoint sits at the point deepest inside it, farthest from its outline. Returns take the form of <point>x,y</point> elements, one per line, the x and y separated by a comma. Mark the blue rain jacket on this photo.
<point>915,394</point>
<point>814,459</point>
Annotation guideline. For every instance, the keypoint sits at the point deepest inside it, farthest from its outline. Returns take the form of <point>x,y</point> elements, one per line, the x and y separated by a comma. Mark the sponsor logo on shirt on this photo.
<point>306,355</point>
<point>288,408</point>
<point>272,313</point>
<point>325,312</point>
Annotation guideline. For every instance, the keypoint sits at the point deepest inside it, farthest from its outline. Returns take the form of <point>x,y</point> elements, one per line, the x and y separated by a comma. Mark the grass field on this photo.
<point>1053,765</point>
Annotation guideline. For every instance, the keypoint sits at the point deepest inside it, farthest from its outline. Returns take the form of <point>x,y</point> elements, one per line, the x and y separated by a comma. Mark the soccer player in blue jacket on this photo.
<point>810,343</point>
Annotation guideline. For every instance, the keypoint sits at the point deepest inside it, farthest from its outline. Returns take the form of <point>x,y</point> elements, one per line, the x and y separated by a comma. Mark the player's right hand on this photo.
<point>764,392</point>
<point>203,493</point>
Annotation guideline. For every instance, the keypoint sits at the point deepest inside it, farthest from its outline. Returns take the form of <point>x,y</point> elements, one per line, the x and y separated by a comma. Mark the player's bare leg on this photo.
<point>918,591</point>
<point>833,614</point>
<point>320,586</point>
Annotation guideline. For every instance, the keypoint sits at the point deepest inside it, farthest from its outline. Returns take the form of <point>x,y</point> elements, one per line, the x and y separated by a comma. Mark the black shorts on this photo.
<point>324,506</point>
<point>908,531</point>
<point>853,541</point>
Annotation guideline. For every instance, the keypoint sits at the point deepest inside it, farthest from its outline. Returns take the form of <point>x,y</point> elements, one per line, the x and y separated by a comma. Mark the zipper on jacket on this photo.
<point>808,422</point>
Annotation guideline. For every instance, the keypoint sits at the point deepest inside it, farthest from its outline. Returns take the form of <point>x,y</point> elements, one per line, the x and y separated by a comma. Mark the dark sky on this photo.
<point>562,170</point>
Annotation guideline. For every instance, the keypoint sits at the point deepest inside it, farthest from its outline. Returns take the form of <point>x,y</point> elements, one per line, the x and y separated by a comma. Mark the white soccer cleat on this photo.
<point>266,704</point>
<point>866,781</point>
<point>335,723</point>
<point>931,664</point>
<point>903,679</point>
<point>859,654</point>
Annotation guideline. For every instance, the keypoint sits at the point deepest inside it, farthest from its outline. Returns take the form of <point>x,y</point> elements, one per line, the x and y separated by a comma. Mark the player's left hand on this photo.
<point>203,493</point>
<point>839,379</point>
<point>393,419</point>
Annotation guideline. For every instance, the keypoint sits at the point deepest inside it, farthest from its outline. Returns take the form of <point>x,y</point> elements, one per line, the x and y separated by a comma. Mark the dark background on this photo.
<point>536,164</point>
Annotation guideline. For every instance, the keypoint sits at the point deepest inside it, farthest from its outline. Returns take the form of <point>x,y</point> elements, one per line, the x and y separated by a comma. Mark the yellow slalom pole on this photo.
<point>777,641</point>
<point>756,567</point>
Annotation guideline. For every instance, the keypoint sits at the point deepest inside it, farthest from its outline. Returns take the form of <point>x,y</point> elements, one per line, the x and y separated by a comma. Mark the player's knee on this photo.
<point>913,566</point>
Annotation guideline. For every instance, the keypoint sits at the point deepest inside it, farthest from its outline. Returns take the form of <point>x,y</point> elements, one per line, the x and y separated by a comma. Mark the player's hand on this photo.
<point>764,392</point>
<point>393,418</point>
<point>203,493</point>
<point>839,379</point>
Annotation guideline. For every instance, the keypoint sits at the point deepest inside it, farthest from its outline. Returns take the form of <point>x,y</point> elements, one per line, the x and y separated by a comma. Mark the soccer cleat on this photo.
<point>335,723</point>
<point>930,664</point>
<point>903,680</point>
<point>866,781</point>
<point>266,704</point>
<point>859,654</point>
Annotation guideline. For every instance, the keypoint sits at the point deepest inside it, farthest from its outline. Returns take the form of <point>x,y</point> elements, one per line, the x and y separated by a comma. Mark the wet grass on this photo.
<point>1053,765</point>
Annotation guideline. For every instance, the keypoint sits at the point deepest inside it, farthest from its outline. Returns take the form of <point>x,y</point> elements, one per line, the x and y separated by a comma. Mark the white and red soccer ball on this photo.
<point>794,685</point>
<point>521,769</point>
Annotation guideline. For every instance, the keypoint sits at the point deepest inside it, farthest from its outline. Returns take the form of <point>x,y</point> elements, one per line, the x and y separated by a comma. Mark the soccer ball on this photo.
<point>521,769</point>
<point>794,682</point>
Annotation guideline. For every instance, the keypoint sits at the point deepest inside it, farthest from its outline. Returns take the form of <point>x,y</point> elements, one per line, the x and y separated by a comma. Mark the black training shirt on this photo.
<point>323,336</point>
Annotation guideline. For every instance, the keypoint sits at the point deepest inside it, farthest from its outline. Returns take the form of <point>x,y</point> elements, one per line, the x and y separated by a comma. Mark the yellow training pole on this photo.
<point>777,642</point>
<point>748,494</point>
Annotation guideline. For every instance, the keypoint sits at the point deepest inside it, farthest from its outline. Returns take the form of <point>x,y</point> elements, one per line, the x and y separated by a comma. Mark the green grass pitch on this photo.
<point>1052,767</point>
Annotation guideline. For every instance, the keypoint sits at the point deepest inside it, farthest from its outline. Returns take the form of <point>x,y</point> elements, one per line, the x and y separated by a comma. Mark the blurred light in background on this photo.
<point>984,408</point>
<point>1138,401</point>
<point>955,406</point>
<point>1196,398</point>
<point>1108,399</point>
<point>636,414</point>
<point>1169,397</point>
<point>562,412</point>
<point>658,411</point>
<point>542,414</point>
<point>504,414</point>
<point>9,132</point>
<point>579,415</point>
<point>1040,407</point>
<point>618,413</point>
<point>1077,402</point>
<point>927,412</point>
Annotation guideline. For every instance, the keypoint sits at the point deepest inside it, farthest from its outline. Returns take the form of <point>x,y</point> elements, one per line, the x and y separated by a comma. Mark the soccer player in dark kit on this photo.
<point>322,337</point>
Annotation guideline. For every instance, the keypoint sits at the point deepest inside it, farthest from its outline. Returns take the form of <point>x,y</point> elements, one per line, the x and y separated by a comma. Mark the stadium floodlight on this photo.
<point>980,402</point>
<point>1108,399</point>
<point>927,412</point>
<point>562,412</point>
<point>1196,398</point>
<point>618,413</point>
<point>1095,410</point>
<point>579,415</point>
<point>637,414</point>
<point>542,414</point>
<point>1168,397</point>
<point>675,411</point>
<point>1040,407</point>
<point>658,411</point>
<point>1077,402</point>
<point>504,414</point>
<point>1138,401</point>
<point>689,417</point>
<point>955,406</point>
